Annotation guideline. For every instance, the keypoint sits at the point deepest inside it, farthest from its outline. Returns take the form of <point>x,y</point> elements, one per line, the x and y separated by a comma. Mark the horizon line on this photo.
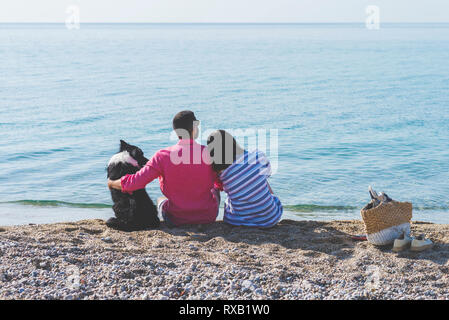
<point>146,22</point>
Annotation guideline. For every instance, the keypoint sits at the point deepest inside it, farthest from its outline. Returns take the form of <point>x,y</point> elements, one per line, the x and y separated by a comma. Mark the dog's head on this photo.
<point>134,155</point>
<point>135,152</point>
<point>128,160</point>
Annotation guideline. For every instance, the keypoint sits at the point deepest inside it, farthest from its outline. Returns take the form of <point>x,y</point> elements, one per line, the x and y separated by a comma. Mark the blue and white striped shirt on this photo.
<point>249,201</point>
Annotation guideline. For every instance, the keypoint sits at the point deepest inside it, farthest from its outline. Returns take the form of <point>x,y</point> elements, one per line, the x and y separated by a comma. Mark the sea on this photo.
<point>343,107</point>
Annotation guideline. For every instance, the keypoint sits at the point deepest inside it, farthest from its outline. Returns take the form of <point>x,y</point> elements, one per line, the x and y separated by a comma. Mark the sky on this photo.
<point>250,11</point>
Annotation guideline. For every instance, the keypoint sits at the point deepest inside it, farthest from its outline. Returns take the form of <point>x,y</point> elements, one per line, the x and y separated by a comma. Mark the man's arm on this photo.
<point>137,181</point>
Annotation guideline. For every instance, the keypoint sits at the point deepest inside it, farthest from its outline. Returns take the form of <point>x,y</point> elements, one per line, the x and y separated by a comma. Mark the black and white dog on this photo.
<point>134,211</point>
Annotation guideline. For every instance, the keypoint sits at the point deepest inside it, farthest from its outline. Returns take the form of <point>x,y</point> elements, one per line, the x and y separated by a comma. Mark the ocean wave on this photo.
<point>317,208</point>
<point>57,203</point>
<point>36,154</point>
<point>299,208</point>
<point>309,208</point>
<point>83,120</point>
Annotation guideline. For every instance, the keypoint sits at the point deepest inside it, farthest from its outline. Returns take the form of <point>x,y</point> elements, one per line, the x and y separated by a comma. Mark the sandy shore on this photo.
<point>294,260</point>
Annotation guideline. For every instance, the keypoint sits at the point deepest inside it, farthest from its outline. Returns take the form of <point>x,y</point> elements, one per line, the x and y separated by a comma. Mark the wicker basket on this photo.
<point>387,221</point>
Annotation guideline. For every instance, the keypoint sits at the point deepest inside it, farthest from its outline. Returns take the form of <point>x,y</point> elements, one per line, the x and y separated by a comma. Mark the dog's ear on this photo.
<point>123,145</point>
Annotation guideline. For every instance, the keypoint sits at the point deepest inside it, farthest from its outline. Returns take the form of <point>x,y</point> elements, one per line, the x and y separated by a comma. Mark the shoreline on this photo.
<point>294,260</point>
<point>23,212</point>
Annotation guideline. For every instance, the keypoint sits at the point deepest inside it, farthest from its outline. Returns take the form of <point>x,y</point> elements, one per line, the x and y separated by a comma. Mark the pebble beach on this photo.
<point>294,260</point>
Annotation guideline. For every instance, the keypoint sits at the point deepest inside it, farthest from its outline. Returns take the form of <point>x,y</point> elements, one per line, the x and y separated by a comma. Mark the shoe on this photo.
<point>402,243</point>
<point>421,243</point>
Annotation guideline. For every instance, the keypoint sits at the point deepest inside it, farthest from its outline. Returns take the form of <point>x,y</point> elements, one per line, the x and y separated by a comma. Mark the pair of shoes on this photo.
<point>419,243</point>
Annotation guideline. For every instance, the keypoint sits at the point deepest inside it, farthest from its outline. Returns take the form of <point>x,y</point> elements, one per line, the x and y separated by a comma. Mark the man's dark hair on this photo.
<point>182,122</point>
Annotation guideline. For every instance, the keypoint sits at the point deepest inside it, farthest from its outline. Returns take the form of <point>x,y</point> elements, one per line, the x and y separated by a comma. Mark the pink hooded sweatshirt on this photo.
<point>186,179</point>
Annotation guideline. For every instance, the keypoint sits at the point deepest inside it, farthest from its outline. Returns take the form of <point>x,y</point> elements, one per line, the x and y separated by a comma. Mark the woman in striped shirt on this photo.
<point>243,175</point>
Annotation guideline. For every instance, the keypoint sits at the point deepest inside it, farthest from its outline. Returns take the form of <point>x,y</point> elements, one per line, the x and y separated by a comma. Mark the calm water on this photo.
<point>353,107</point>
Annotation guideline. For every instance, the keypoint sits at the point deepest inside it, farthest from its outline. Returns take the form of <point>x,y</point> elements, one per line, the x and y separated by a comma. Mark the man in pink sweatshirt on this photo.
<point>185,175</point>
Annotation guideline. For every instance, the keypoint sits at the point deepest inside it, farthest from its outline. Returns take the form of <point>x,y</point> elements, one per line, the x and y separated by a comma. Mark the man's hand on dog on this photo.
<point>114,184</point>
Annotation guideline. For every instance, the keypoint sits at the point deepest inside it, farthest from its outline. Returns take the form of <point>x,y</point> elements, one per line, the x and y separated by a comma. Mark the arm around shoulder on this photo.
<point>137,181</point>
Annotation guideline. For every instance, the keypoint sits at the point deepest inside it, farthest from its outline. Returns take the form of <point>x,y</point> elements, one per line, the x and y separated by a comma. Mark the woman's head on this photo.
<point>223,149</point>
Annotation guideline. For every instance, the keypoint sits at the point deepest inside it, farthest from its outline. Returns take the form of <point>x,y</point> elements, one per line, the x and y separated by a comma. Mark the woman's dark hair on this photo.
<point>223,149</point>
